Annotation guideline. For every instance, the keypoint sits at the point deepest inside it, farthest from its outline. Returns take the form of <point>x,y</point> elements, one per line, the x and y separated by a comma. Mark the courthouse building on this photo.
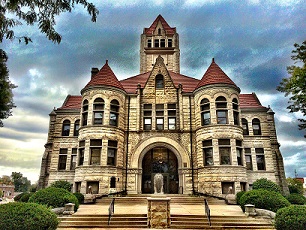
<point>199,132</point>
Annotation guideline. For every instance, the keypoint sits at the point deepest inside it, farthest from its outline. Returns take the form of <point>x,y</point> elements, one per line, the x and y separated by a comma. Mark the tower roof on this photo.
<point>215,75</point>
<point>105,77</point>
<point>168,30</point>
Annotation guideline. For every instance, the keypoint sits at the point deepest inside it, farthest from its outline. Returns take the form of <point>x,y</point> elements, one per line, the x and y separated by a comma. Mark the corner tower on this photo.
<point>159,39</point>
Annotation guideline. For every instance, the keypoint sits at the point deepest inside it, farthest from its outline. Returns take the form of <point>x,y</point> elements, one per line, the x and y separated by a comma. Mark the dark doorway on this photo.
<point>160,160</point>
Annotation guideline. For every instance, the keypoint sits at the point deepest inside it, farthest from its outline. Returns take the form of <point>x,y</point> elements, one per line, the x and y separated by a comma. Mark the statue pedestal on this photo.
<point>159,212</point>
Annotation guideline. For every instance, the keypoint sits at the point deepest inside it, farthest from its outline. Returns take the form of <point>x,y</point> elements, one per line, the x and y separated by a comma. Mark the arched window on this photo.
<point>235,106</point>
<point>159,81</point>
<point>245,126</point>
<point>98,111</point>
<point>114,113</point>
<point>66,128</point>
<point>221,106</point>
<point>113,182</point>
<point>256,126</point>
<point>205,112</point>
<point>84,112</point>
<point>76,128</point>
<point>159,31</point>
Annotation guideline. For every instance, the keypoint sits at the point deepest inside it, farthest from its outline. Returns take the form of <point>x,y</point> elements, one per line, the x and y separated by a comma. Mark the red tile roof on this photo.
<point>72,102</point>
<point>105,77</point>
<point>169,30</point>
<point>249,101</point>
<point>215,75</point>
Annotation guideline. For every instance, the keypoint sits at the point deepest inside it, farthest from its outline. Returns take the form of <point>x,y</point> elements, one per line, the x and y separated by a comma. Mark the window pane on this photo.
<point>208,152</point>
<point>162,43</point>
<point>224,142</point>
<point>147,121</point>
<point>225,156</point>
<point>248,161</point>
<point>156,42</point>
<point>169,42</point>
<point>95,156</point>
<point>260,162</point>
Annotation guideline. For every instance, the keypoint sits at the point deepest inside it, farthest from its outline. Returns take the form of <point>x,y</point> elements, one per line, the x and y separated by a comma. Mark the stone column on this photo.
<point>159,212</point>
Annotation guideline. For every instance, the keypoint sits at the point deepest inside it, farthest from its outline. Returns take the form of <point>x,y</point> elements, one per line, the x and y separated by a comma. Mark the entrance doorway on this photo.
<point>160,160</point>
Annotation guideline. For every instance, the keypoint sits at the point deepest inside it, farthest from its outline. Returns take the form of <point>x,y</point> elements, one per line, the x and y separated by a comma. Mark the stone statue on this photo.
<point>158,184</point>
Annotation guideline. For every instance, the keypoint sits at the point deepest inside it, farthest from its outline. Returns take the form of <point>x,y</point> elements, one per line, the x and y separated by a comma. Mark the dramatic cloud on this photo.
<point>251,41</point>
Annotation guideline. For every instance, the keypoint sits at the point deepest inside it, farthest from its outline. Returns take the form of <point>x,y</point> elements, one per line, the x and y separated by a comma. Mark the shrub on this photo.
<point>295,185</point>
<point>264,199</point>
<point>295,198</point>
<point>25,197</point>
<point>30,216</point>
<point>79,196</point>
<point>62,184</point>
<point>54,197</point>
<point>292,217</point>
<point>17,198</point>
<point>266,184</point>
<point>238,196</point>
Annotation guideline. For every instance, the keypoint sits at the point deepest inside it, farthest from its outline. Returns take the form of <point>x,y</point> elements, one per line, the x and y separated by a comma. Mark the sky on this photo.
<point>251,41</point>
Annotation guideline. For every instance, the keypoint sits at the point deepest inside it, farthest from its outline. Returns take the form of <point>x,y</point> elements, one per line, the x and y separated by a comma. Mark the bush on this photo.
<point>264,199</point>
<point>238,196</point>
<point>295,198</point>
<point>80,197</point>
<point>25,197</point>
<point>289,218</point>
<point>62,184</point>
<point>17,198</point>
<point>54,197</point>
<point>30,216</point>
<point>266,184</point>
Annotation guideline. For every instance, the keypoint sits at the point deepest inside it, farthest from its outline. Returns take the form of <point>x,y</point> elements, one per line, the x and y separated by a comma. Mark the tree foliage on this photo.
<point>295,185</point>
<point>42,13</point>
<point>22,184</point>
<point>6,94</point>
<point>295,85</point>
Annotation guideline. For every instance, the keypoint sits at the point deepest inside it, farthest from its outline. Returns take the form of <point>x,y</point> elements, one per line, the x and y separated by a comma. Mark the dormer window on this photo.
<point>159,81</point>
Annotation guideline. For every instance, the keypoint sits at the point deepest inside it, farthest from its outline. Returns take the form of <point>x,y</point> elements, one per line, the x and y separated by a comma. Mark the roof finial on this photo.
<point>106,62</point>
<point>213,60</point>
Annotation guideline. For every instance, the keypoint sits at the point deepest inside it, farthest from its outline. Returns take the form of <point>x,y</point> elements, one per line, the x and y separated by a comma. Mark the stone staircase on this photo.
<point>178,221</point>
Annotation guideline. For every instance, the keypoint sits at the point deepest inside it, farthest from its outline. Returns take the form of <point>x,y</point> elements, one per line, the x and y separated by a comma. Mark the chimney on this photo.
<point>94,71</point>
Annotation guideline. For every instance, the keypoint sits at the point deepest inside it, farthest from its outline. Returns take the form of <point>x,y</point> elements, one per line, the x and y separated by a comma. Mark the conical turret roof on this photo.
<point>215,75</point>
<point>105,77</point>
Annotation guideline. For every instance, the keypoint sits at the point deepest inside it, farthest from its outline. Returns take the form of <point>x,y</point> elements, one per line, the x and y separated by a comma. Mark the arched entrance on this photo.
<point>164,161</point>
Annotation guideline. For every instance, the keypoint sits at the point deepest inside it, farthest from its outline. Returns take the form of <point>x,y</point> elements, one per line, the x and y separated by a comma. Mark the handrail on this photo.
<point>207,211</point>
<point>111,209</point>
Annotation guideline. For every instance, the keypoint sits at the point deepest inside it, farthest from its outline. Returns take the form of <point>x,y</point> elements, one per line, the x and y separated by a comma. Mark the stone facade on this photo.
<point>202,135</point>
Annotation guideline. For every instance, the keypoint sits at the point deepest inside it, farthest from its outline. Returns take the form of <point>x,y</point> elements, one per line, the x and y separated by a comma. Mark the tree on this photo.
<point>22,184</point>
<point>295,85</point>
<point>6,94</point>
<point>6,180</point>
<point>33,12</point>
<point>295,185</point>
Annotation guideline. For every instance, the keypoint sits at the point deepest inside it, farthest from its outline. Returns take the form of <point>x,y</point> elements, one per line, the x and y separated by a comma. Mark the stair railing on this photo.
<point>207,211</point>
<point>111,210</point>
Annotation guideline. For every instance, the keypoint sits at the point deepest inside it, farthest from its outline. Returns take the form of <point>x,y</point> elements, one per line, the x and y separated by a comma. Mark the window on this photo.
<point>221,106</point>
<point>62,159</point>
<point>84,112</point>
<point>208,152</point>
<point>81,152</point>
<point>260,159</point>
<point>225,151</point>
<point>159,116</point>
<point>114,113</point>
<point>76,128</point>
<point>156,43</point>
<point>159,81</point>
<point>149,43</point>
<point>98,111</point>
<point>113,182</point>
<point>205,112</point>
<point>162,43</point>
<point>171,116</point>
<point>248,159</point>
<point>256,126</point>
<point>239,151</point>
<point>169,42</point>
<point>235,111</point>
<point>66,128</point>
<point>73,158</point>
<point>147,116</point>
<point>95,151</point>
<point>111,152</point>
<point>245,126</point>
<point>228,188</point>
